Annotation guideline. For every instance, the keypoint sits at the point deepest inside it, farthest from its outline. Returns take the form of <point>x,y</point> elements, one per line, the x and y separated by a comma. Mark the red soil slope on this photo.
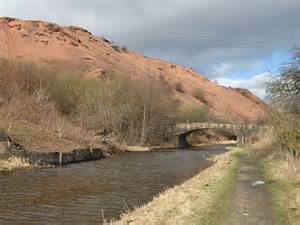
<point>48,43</point>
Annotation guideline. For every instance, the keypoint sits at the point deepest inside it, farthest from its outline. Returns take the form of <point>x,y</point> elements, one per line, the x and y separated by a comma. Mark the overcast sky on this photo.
<point>236,42</point>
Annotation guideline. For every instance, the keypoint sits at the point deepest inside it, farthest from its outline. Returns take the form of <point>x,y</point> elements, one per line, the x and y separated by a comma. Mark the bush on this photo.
<point>196,114</point>
<point>199,94</point>
<point>65,91</point>
<point>179,87</point>
<point>116,48</point>
<point>286,129</point>
<point>127,108</point>
<point>106,40</point>
<point>125,49</point>
<point>18,78</point>
<point>284,92</point>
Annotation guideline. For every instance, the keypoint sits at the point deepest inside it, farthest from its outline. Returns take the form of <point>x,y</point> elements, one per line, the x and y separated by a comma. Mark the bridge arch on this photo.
<point>182,139</point>
<point>243,132</point>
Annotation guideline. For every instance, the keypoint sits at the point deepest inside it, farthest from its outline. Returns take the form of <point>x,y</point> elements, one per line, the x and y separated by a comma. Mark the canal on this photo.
<point>82,193</point>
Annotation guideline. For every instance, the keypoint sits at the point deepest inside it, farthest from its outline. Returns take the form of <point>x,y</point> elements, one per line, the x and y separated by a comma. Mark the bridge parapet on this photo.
<point>188,127</point>
<point>177,133</point>
<point>243,132</point>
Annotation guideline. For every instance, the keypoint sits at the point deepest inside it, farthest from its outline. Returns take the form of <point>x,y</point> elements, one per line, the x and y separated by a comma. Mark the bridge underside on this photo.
<point>181,140</point>
<point>177,134</point>
<point>203,136</point>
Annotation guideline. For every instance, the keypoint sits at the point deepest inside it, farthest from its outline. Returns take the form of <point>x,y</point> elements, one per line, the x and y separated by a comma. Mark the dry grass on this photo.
<point>189,203</point>
<point>53,110</point>
<point>283,170</point>
<point>39,127</point>
<point>265,142</point>
<point>284,187</point>
<point>13,163</point>
<point>30,115</point>
<point>138,149</point>
<point>199,94</point>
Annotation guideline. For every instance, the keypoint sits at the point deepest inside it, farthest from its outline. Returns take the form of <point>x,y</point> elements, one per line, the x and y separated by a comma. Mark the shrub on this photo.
<point>64,91</point>
<point>106,40</point>
<point>9,19</point>
<point>116,48</point>
<point>284,92</point>
<point>19,78</point>
<point>125,49</point>
<point>195,114</point>
<point>53,27</point>
<point>199,94</point>
<point>127,108</point>
<point>179,87</point>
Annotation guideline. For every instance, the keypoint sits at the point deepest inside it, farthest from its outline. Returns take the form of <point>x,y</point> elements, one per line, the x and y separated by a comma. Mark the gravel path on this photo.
<point>251,204</point>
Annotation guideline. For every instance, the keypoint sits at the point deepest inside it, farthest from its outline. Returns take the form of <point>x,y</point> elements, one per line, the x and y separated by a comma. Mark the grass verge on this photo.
<point>204,199</point>
<point>221,195</point>
<point>285,189</point>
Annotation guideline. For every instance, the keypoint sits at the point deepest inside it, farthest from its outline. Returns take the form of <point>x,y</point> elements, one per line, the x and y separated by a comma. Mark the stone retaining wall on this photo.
<point>49,158</point>
<point>58,158</point>
<point>61,158</point>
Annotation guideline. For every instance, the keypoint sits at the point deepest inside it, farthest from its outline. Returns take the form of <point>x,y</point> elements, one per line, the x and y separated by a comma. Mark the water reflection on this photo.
<point>77,194</point>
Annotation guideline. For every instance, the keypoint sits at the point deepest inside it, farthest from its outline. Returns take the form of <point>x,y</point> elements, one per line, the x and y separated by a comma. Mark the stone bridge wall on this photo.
<point>177,133</point>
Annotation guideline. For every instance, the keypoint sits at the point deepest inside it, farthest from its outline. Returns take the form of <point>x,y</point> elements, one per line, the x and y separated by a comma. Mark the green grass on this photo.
<point>205,199</point>
<point>222,194</point>
<point>283,191</point>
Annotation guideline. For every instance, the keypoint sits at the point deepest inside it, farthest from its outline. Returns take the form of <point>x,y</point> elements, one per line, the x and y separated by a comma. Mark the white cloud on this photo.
<point>198,33</point>
<point>256,84</point>
<point>217,38</point>
<point>224,69</point>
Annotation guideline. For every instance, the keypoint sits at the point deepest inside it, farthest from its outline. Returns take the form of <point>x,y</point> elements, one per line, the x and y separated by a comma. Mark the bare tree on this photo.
<point>284,92</point>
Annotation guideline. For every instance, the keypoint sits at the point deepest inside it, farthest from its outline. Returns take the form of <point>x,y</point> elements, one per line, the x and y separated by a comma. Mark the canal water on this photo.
<point>81,193</point>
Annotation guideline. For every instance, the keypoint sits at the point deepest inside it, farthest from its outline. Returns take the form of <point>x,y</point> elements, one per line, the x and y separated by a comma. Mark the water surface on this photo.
<point>78,193</point>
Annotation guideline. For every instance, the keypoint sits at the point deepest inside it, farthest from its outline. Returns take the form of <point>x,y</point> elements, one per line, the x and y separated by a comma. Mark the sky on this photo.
<point>237,43</point>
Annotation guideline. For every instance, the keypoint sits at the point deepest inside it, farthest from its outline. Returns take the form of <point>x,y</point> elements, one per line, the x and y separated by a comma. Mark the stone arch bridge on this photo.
<point>177,133</point>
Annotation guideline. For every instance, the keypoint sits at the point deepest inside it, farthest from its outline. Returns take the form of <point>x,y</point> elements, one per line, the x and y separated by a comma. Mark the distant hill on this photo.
<point>51,44</point>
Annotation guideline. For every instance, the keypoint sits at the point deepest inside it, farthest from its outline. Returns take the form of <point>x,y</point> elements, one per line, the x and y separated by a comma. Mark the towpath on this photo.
<point>251,203</point>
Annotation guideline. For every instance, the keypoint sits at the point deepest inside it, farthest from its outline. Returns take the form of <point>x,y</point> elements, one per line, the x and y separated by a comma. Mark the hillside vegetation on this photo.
<point>45,109</point>
<point>75,49</point>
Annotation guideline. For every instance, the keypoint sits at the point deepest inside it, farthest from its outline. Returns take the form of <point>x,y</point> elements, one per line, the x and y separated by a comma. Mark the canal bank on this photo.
<point>284,187</point>
<point>14,156</point>
<point>203,199</point>
<point>243,187</point>
<point>79,193</point>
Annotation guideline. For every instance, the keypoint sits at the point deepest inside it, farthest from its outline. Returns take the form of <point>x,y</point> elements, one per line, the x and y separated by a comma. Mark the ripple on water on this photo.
<point>76,194</point>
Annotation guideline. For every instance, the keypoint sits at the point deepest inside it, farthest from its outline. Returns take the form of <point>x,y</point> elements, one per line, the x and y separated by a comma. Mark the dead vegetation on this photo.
<point>284,92</point>
<point>282,169</point>
<point>13,163</point>
<point>199,94</point>
<point>282,142</point>
<point>117,48</point>
<point>192,202</point>
<point>60,110</point>
<point>179,87</point>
